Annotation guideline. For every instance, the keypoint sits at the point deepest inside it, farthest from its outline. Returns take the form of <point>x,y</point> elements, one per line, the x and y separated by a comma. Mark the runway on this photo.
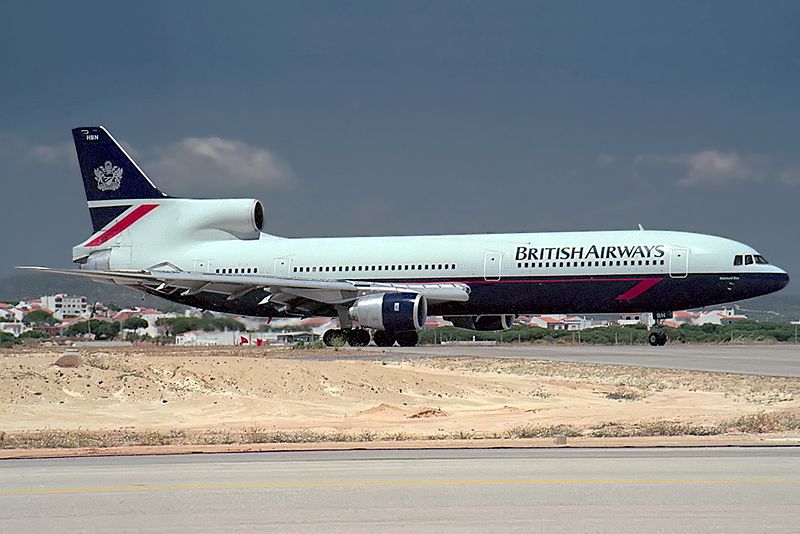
<point>774,360</point>
<point>557,490</point>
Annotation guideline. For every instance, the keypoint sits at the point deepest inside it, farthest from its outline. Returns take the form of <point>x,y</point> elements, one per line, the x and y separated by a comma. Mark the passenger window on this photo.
<point>748,260</point>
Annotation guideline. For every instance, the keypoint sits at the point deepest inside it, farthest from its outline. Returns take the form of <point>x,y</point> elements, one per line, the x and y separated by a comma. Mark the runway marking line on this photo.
<point>389,483</point>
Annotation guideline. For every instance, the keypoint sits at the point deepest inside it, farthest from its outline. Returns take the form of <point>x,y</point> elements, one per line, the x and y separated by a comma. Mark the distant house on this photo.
<point>435,321</point>
<point>13,328</point>
<point>150,315</point>
<point>627,319</point>
<point>206,339</point>
<point>721,317</point>
<point>684,317</point>
<point>548,322</point>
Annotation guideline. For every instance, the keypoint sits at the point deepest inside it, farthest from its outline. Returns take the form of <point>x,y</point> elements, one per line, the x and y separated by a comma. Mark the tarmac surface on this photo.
<point>550,490</point>
<point>774,360</point>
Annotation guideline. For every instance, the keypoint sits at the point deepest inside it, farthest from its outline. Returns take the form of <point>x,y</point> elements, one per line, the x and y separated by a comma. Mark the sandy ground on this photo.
<point>221,390</point>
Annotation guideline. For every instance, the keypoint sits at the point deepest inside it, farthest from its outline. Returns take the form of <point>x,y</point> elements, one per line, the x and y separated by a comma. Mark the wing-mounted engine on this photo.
<point>240,217</point>
<point>394,312</point>
<point>483,323</point>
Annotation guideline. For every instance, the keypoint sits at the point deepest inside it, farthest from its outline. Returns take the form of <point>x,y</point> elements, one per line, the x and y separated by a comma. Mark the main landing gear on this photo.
<point>658,337</point>
<point>359,337</point>
<point>355,337</point>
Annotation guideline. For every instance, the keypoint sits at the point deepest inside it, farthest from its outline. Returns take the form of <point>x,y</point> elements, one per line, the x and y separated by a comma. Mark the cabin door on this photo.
<point>491,266</point>
<point>679,262</point>
<point>282,266</point>
<point>202,266</point>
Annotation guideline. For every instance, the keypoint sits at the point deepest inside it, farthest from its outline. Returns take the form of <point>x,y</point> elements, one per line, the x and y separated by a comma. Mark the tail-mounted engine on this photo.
<point>240,217</point>
<point>395,312</point>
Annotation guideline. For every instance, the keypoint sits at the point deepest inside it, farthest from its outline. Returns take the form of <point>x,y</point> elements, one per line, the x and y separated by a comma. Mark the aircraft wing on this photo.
<point>290,292</point>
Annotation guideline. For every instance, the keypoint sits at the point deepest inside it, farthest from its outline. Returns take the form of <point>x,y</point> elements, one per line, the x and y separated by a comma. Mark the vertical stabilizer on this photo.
<point>109,175</point>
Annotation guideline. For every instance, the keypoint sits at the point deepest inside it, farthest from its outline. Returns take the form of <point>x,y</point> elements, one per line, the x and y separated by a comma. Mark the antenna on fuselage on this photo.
<point>641,228</point>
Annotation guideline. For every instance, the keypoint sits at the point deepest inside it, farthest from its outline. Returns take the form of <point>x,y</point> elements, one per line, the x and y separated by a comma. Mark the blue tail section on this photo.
<point>109,174</point>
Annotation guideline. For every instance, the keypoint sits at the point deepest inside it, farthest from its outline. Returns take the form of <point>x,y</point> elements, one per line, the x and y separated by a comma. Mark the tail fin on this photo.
<point>109,174</point>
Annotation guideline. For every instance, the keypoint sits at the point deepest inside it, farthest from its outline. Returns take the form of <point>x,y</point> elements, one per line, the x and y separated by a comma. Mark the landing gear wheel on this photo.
<point>358,337</point>
<point>657,339</point>
<point>407,339</point>
<point>333,337</point>
<point>382,338</point>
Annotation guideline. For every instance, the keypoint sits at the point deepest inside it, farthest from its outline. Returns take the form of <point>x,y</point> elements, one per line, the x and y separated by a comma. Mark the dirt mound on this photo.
<point>382,409</point>
<point>69,361</point>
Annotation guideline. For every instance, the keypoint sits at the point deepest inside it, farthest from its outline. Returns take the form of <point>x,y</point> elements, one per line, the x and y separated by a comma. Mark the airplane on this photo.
<point>213,254</point>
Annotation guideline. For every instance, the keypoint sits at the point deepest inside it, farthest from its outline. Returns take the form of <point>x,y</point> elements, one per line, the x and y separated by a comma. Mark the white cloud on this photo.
<point>58,154</point>
<point>604,160</point>
<point>790,176</point>
<point>713,168</point>
<point>193,162</point>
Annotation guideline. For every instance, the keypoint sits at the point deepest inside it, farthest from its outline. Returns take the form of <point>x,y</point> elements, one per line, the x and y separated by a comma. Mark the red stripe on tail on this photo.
<point>122,225</point>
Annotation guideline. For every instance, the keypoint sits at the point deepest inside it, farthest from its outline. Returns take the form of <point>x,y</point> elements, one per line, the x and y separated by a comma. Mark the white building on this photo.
<point>200,338</point>
<point>15,329</point>
<point>721,317</point>
<point>561,322</point>
<point>628,319</point>
<point>62,306</point>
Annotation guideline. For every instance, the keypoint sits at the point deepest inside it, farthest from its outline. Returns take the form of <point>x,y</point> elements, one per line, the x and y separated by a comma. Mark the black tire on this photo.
<point>662,339</point>
<point>327,337</point>
<point>407,339</point>
<point>382,338</point>
<point>358,337</point>
<point>332,337</point>
<point>654,339</point>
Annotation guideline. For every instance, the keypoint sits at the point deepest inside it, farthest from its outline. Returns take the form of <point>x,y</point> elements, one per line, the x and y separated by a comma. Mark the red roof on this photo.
<point>547,319</point>
<point>315,321</point>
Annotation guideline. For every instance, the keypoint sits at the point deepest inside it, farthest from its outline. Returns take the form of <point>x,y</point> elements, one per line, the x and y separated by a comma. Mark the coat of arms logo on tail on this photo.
<point>108,176</point>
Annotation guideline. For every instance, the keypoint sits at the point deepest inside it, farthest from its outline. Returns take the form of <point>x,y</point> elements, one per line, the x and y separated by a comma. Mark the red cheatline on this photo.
<point>639,288</point>
<point>122,225</point>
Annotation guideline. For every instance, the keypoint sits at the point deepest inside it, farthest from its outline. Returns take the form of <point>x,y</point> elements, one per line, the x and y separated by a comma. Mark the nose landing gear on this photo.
<point>658,337</point>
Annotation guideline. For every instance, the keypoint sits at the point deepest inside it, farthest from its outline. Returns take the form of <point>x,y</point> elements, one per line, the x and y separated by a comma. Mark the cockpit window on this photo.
<point>737,260</point>
<point>748,260</point>
<point>761,260</point>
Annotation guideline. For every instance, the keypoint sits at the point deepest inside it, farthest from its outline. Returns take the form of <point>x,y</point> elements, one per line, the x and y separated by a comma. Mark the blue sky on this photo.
<point>367,118</point>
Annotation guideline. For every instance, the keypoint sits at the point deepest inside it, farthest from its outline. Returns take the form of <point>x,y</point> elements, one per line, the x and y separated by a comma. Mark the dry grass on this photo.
<point>761,423</point>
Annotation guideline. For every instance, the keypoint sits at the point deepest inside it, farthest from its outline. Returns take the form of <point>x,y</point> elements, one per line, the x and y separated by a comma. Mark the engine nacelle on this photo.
<point>395,312</point>
<point>241,217</point>
<point>483,323</point>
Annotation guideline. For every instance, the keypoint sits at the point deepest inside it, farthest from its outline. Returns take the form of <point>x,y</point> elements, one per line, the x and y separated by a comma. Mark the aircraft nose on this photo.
<point>783,278</point>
